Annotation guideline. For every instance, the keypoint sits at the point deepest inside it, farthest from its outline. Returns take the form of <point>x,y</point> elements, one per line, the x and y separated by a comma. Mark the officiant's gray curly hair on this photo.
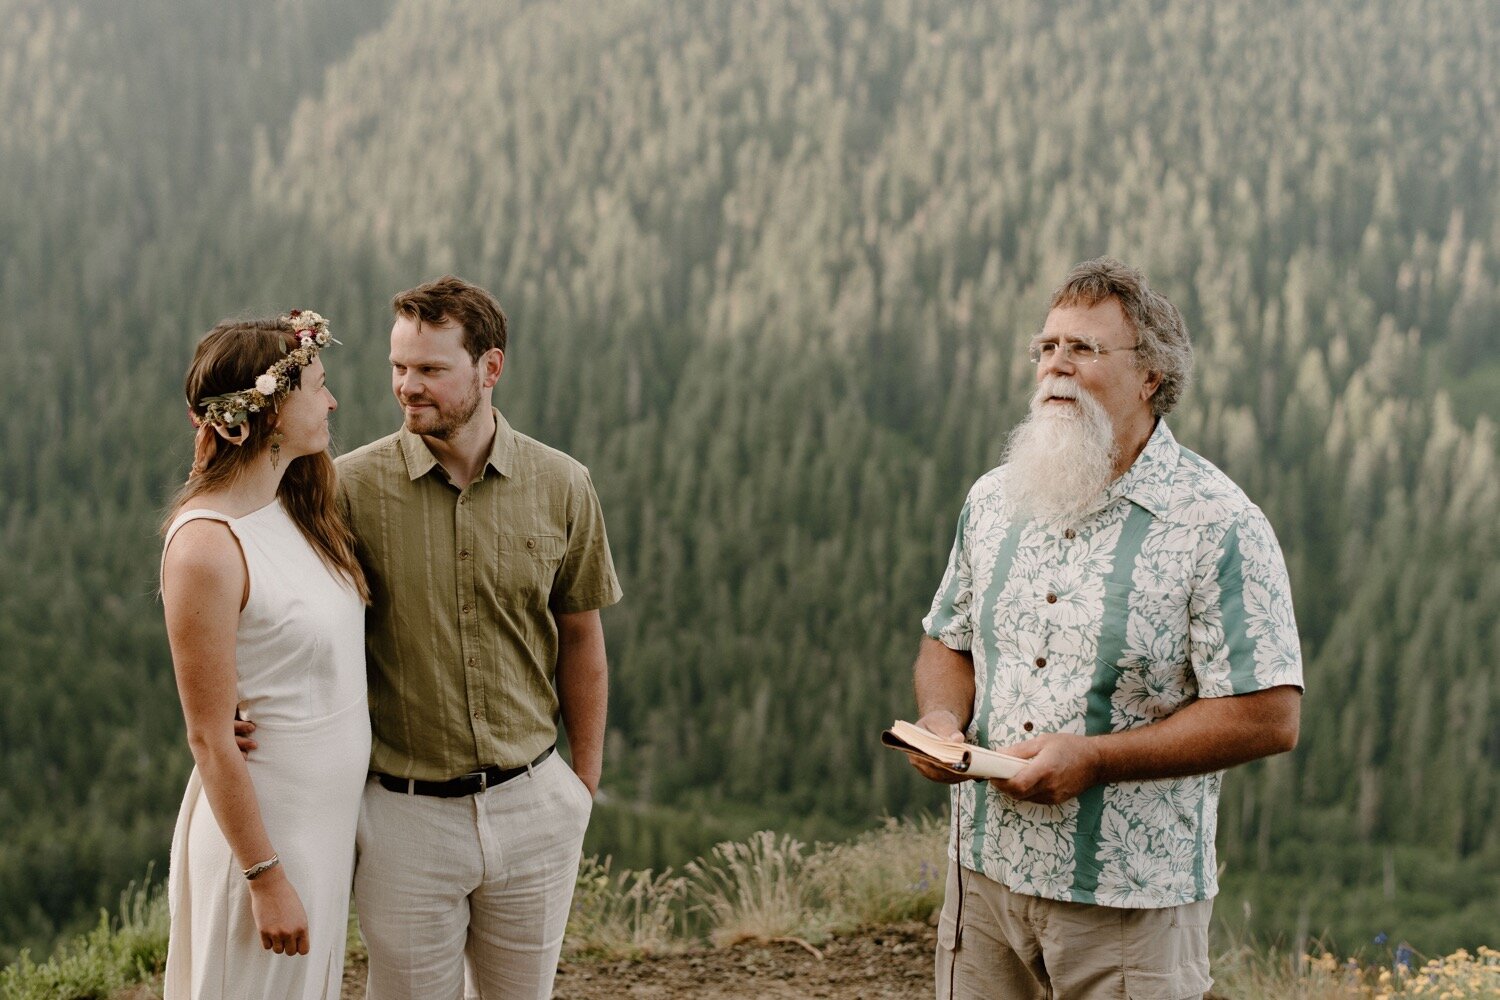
<point>1162,337</point>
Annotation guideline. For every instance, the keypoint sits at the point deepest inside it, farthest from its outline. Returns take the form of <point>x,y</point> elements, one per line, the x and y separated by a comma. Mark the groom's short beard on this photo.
<point>1061,459</point>
<point>441,424</point>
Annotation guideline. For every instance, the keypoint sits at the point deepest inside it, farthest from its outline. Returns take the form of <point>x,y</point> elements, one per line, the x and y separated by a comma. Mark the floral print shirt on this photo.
<point>1173,590</point>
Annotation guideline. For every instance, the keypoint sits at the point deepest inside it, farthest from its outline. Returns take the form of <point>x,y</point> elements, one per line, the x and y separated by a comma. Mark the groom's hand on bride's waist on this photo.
<point>242,730</point>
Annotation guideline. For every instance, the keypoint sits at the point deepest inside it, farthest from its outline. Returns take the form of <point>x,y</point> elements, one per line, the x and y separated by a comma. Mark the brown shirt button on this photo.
<point>473,661</point>
<point>1027,727</point>
<point>1051,598</point>
<point>1070,534</point>
<point>465,609</point>
<point>1041,661</point>
<point>531,543</point>
<point>463,554</point>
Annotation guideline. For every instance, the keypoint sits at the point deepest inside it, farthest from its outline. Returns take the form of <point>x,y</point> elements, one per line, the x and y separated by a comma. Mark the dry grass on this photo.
<point>1246,973</point>
<point>885,876</point>
<point>625,915</point>
<point>764,889</point>
<point>756,891</point>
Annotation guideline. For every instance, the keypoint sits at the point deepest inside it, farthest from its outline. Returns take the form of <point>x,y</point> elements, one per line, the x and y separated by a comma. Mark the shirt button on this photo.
<point>462,501</point>
<point>1027,727</point>
<point>1041,661</point>
<point>465,609</point>
<point>473,661</point>
<point>463,554</point>
<point>479,716</point>
<point>1070,534</point>
<point>531,543</point>
<point>1051,598</point>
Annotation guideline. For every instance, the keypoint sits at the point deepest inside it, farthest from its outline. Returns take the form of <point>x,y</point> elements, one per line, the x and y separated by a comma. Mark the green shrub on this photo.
<point>117,953</point>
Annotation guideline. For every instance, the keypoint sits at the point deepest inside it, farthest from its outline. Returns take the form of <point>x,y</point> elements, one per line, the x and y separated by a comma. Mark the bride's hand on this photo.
<point>278,913</point>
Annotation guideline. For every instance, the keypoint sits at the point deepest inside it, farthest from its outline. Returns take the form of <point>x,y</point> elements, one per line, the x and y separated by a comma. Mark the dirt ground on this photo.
<point>885,963</point>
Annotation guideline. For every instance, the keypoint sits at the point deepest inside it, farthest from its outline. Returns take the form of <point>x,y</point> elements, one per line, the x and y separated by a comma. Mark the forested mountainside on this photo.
<point>771,268</point>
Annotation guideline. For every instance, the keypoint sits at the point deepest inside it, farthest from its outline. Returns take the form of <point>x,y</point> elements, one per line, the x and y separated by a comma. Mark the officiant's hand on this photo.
<point>1063,766</point>
<point>242,730</point>
<point>945,724</point>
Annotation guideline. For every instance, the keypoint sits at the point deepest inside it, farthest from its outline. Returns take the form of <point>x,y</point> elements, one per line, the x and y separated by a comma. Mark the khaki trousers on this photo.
<point>469,897</point>
<point>1012,947</point>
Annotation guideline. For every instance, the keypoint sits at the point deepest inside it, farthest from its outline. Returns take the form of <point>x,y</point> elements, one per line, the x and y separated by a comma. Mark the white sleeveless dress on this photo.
<point>300,660</point>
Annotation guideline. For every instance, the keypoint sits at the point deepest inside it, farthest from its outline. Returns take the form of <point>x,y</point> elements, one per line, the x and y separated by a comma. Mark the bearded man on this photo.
<point>488,563</point>
<point>1116,612</point>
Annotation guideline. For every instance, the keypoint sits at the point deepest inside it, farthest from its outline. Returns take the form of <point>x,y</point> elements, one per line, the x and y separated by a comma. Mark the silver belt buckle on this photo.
<point>483,780</point>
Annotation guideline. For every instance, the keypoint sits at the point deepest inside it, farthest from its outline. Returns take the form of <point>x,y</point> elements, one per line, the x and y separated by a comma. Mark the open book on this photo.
<point>960,758</point>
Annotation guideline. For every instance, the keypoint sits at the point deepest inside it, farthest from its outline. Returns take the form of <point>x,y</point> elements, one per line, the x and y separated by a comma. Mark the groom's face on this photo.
<point>437,384</point>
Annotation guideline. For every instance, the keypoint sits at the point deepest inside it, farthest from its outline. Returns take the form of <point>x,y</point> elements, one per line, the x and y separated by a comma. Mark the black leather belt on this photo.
<point>464,784</point>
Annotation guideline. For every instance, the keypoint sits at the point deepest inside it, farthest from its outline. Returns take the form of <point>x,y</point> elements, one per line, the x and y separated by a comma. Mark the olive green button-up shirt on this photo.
<point>465,585</point>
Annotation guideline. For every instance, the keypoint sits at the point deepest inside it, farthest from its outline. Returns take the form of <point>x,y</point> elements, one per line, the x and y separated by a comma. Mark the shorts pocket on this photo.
<point>1194,914</point>
<point>1187,983</point>
<point>947,928</point>
<point>947,931</point>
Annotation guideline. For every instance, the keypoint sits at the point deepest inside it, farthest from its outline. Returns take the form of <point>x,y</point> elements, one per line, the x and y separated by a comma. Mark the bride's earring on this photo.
<point>276,440</point>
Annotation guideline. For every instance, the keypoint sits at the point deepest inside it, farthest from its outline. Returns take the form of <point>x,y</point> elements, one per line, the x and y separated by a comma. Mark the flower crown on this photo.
<point>231,410</point>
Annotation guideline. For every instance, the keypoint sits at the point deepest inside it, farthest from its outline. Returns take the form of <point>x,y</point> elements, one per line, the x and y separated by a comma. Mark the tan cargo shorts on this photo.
<point>1005,945</point>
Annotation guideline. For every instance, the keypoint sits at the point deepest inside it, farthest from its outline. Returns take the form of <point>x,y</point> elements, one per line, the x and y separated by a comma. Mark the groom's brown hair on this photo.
<point>458,301</point>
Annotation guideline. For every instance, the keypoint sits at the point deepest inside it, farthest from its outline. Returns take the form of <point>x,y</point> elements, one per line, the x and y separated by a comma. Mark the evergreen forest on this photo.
<point>771,267</point>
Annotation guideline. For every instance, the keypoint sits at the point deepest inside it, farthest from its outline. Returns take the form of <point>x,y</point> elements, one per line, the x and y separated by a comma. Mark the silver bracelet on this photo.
<point>258,869</point>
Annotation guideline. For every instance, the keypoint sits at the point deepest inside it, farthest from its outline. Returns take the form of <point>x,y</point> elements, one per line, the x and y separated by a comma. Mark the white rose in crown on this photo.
<point>266,385</point>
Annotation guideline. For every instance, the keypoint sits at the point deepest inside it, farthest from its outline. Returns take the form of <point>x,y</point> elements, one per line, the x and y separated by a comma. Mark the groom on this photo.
<point>488,563</point>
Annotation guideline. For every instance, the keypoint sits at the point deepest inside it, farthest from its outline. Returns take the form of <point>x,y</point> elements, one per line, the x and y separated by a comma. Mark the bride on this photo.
<point>264,606</point>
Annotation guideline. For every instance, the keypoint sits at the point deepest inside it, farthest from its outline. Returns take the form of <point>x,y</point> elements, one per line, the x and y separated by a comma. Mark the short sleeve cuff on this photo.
<point>953,634</point>
<point>591,602</point>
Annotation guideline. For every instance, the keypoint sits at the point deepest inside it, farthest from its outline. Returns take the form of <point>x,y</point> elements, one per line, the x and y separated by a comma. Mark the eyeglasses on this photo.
<point>1080,352</point>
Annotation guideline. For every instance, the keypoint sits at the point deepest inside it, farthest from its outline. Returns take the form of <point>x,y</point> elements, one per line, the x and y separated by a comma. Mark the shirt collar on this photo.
<point>420,459</point>
<point>1148,481</point>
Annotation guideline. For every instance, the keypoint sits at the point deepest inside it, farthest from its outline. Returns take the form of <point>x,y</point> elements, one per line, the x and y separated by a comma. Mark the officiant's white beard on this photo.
<point>1061,459</point>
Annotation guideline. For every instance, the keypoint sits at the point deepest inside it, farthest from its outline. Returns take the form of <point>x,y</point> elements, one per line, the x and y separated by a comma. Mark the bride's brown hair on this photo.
<point>228,359</point>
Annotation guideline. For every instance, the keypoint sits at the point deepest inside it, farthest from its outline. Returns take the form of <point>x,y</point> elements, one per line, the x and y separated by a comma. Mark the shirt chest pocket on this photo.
<point>524,568</point>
